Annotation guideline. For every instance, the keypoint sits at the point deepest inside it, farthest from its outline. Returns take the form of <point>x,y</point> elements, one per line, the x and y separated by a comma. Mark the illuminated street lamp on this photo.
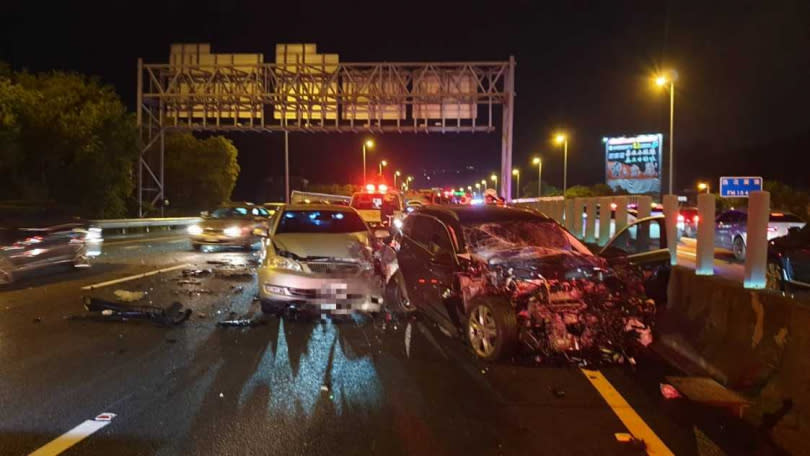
<point>367,144</point>
<point>396,174</point>
<point>478,187</point>
<point>562,139</point>
<point>662,80</point>
<point>494,178</point>
<point>539,163</point>
<point>408,182</point>
<point>383,163</point>
<point>701,186</point>
<point>516,173</point>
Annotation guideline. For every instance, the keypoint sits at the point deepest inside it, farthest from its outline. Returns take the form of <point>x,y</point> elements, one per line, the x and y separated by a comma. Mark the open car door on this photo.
<point>642,245</point>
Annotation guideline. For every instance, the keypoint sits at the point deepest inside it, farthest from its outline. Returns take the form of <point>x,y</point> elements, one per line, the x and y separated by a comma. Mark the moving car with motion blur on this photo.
<point>730,231</point>
<point>688,218</point>
<point>789,262</point>
<point>378,206</point>
<point>232,225</point>
<point>31,245</point>
<point>319,258</point>
<point>506,279</point>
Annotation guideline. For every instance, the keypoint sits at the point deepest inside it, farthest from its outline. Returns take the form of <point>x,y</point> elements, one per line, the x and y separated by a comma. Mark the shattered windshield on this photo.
<point>520,238</point>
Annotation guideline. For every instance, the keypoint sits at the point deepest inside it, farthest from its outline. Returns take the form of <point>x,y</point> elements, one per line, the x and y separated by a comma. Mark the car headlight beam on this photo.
<point>280,262</point>
<point>232,231</point>
<point>194,230</point>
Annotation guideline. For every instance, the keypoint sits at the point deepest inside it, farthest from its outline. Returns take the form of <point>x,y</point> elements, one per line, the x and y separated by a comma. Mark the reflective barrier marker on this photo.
<point>705,235</point>
<point>756,242</point>
<point>671,214</point>
<point>604,219</point>
<point>632,421</point>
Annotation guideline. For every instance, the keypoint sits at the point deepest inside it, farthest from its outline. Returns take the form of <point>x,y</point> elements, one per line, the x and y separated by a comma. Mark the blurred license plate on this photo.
<point>328,306</point>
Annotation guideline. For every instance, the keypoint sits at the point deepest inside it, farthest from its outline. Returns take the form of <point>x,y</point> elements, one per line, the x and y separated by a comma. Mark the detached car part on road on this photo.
<point>507,277</point>
<point>238,225</point>
<point>319,258</point>
<point>29,245</point>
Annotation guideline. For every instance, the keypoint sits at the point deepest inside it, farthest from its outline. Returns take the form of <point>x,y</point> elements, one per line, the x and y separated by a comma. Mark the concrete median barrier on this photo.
<point>754,342</point>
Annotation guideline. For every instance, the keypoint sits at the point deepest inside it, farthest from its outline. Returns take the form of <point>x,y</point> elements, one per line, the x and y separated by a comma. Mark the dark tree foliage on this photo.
<point>200,173</point>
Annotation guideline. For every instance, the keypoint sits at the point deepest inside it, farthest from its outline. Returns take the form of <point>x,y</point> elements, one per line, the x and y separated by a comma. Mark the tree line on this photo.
<point>67,140</point>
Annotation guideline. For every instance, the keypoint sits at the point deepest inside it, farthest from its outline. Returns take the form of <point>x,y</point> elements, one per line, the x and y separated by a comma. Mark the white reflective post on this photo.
<point>559,210</point>
<point>621,213</point>
<point>579,204</point>
<point>705,235</point>
<point>756,243</point>
<point>590,222</point>
<point>569,214</point>
<point>604,219</point>
<point>671,214</point>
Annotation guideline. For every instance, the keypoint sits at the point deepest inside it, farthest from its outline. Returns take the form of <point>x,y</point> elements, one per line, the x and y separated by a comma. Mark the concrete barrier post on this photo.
<point>756,243</point>
<point>604,219</point>
<point>705,235</point>
<point>560,211</point>
<point>644,206</point>
<point>621,213</point>
<point>590,222</point>
<point>579,204</point>
<point>569,214</point>
<point>671,214</point>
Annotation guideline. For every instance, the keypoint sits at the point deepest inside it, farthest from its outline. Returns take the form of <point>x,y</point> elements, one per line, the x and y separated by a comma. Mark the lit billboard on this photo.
<point>634,163</point>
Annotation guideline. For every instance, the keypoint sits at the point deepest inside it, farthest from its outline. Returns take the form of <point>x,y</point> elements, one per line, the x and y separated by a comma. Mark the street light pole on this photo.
<point>516,173</point>
<point>671,133</point>
<point>565,166</point>
<point>539,162</point>
<point>382,163</point>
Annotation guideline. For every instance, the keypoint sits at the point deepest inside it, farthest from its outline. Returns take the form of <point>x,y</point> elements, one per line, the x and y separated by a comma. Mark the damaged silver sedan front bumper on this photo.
<point>320,293</point>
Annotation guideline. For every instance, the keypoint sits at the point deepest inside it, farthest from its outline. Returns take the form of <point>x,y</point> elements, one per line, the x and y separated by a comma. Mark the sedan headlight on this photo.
<point>280,262</point>
<point>232,231</point>
<point>195,230</point>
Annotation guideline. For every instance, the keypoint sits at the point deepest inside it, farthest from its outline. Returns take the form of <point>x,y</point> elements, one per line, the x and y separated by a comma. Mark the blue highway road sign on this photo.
<point>739,186</point>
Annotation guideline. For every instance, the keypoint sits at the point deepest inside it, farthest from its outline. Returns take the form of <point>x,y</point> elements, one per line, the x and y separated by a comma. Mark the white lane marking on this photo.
<point>128,247</point>
<point>74,436</point>
<point>133,277</point>
<point>628,416</point>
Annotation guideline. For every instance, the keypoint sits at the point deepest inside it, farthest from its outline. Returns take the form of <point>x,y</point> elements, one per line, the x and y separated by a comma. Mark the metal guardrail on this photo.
<point>112,224</point>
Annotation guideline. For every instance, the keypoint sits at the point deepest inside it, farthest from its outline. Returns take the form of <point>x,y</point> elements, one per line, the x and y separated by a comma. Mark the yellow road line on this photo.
<point>74,436</point>
<point>628,416</point>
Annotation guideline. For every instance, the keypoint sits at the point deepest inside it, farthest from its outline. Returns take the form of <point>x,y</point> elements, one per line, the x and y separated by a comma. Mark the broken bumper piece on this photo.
<point>103,310</point>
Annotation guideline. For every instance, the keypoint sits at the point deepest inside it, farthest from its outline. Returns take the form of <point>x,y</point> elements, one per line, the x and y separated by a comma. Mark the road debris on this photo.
<point>669,391</point>
<point>218,262</point>
<point>128,296</point>
<point>234,273</point>
<point>188,282</point>
<point>243,323</point>
<point>103,310</point>
<point>196,272</point>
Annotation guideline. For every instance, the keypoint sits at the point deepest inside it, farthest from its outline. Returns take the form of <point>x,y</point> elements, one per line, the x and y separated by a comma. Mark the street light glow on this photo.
<point>397,173</point>
<point>477,185</point>
<point>494,178</point>
<point>369,143</point>
<point>536,161</point>
<point>384,163</point>
<point>559,139</point>
<point>661,81</point>
<point>515,172</point>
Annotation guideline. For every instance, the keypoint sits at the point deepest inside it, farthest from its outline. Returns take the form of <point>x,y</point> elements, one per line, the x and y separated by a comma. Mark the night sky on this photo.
<point>742,100</point>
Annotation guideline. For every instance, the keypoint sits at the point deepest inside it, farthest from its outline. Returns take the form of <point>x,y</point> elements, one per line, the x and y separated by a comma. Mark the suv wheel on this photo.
<point>491,328</point>
<point>738,248</point>
<point>396,298</point>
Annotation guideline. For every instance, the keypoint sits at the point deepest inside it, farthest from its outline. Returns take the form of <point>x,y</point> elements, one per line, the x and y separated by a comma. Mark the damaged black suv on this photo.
<point>506,278</point>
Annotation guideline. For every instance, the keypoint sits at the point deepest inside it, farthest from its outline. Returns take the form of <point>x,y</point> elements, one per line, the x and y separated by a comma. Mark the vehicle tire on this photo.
<point>774,276</point>
<point>738,247</point>
<point>395,298</point>
<point>196,247</point>
<point>491,328</point>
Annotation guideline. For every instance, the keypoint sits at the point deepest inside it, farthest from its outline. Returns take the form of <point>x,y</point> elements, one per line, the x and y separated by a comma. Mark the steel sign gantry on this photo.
<point>383,97</point>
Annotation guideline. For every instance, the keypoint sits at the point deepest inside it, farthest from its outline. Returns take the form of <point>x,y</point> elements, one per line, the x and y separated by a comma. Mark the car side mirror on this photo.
<point>261,232</point>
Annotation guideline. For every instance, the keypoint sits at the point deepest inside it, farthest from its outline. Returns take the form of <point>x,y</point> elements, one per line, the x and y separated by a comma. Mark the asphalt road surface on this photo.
<point>725,265</point>
<point>363,386</point>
